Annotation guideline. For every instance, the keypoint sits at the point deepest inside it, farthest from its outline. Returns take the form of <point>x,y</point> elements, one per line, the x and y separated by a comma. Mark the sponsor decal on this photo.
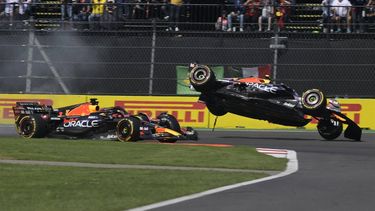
<point>81,123</point>
<point>6,111</point>
<point>264,87</point>
<point>185,112</point>
<point>287,104</point>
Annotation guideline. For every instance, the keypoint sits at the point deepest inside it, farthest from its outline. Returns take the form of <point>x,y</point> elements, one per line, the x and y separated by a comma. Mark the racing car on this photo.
<point>264,99</point>
<point>88,120</point>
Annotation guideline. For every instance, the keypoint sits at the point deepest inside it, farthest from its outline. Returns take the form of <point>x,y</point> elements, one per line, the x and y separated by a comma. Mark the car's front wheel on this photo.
<point>169,121</point>
<point>128,129</point>
<point>202,78</point>
<point>313,100</point>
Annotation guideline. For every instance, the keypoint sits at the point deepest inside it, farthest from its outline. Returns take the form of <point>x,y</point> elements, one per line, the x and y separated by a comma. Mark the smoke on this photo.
<point>44,62</point>
<point>68,61</point>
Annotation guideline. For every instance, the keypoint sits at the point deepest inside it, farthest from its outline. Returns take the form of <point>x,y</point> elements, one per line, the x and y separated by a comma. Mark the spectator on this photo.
<point>122,11</point>
<point>109,16</point>
<point>371,11</point>
<point>341,12</point>
<point>222,22</point>
<point>252,13</point>
<point>138,11</point>
<point>163,10</point>
<point>282,13</point>
<point>81,11</point>
<point>267,9</point>
<point>66,10</point>
<point>96,14</point>
<point>174,14</point>
<point>2,8</point>
<point>327,15</point>
<point>25,9</point>
<point>10,8</point>
<point>238,13</point>
<point>358,15</point>
<point>159,9</point>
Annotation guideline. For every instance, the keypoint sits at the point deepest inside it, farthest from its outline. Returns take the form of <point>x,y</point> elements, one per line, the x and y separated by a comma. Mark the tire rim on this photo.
<point>27,127</point>
<point>313,99</point>
<point>125,130</point>
<point>200,75</point>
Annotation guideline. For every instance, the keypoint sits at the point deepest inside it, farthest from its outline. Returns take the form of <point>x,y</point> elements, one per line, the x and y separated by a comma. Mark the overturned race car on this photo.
<point>263,99</point>
<point>88,120</point>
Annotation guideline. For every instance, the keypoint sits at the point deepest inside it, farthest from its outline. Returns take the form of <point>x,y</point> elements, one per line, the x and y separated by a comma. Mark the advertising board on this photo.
<point>186,109</point>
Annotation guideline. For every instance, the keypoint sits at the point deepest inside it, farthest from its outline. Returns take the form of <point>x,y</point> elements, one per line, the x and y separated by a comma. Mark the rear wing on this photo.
<point>27,108</point>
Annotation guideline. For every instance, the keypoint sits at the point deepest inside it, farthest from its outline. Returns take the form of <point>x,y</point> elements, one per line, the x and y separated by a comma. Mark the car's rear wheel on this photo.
<point>330,129</point>
<point>202,78</point>
<point>313,100</point>
<point>128,129</point>
<point>32,126</point>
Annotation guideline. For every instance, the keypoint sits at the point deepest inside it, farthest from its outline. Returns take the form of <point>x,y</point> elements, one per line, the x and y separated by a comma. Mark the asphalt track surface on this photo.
<point>333,175</point>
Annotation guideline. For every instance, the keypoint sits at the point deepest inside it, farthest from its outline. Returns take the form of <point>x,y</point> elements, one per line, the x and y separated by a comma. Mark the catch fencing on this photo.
<point>142,58</point>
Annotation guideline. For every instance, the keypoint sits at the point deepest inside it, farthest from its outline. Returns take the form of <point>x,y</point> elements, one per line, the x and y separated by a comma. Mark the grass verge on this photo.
<point>27,187</point>
<point>65,188</point>
<point>111,152</point>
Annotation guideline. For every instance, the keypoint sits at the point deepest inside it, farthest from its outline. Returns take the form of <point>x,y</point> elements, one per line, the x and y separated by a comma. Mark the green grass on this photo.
<point>65,188</point>
<point>111,152</point>
<point>27,187</point>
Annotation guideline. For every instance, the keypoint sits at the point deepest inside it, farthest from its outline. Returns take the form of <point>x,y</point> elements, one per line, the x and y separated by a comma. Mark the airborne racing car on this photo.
<point>261,98</point>
<point>88,120</point>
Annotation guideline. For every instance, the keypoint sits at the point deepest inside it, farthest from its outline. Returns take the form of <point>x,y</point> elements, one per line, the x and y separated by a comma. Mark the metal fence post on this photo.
<point>275,48</point>
<point>29,61</point>
<point>153,43</point>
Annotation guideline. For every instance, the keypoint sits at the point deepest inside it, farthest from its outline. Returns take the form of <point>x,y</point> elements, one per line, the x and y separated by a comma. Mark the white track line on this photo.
<point>126,166</point>
<point>291,168</point>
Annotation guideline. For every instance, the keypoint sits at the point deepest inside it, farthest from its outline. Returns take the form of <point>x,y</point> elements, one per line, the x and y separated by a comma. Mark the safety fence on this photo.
<point>156,63</point>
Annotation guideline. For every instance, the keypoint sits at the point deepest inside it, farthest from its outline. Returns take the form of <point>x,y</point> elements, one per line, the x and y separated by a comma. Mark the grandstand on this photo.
<point>303,16</point>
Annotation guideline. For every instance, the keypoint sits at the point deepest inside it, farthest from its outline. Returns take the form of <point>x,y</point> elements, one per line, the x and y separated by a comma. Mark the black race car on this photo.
<point>88,120</point>
<point>261,98</point>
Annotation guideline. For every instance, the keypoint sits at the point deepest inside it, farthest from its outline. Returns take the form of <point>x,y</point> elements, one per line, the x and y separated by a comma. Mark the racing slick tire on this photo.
<point>32,126</point>
<point>313,100</point>
<point>128,129</point>
<point>330,129</point>
<point>202,78</point>
<point>169,121</point>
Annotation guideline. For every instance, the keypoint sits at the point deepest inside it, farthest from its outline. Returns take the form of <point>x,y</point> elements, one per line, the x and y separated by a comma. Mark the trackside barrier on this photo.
<point>187,110</point>
<point>360,111</point>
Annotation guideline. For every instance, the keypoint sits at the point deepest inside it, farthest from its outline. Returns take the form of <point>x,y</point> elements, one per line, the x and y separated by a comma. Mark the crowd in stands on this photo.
<point>235,15</point>
<point>337,15</point>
